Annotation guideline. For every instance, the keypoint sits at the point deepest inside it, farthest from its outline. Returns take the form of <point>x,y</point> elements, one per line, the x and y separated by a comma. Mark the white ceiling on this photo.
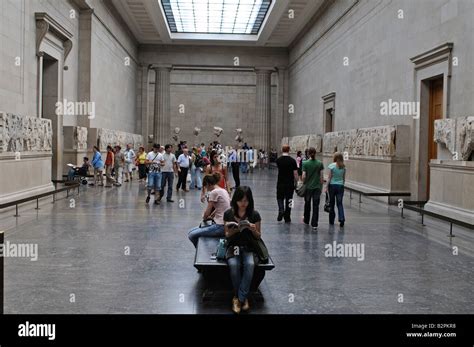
<point>145,19</point>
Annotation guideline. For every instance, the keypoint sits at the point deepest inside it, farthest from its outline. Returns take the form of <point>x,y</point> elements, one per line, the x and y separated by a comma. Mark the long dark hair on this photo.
<point>240,193</point>
<point>211,158</point>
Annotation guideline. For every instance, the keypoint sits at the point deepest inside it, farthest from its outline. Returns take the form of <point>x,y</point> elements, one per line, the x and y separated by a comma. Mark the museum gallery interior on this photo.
<point>372,99</point>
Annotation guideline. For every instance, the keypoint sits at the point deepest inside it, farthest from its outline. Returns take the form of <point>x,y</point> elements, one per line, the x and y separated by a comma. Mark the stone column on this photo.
<point>161,115</point>
<point>144,87</point>
<point>281,126</point>
<point>263,108</point>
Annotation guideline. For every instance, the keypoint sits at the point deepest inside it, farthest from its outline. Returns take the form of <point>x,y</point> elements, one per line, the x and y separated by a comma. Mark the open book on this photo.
<point>243,224</point>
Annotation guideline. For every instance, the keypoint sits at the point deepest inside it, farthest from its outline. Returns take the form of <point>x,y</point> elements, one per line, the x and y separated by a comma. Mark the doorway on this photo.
<point>329,121</point>
<point>49,98</point>
<point>435,112</point>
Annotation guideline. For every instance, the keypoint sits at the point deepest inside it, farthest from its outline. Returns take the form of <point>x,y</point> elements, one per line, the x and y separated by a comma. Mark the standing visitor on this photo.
<point>335,186</point>
<point>155,161</point>
<point>234,164</point>
<point>313,179</point>
<point>216,166</point>
<point>167,173</point>
<point>287,176</point>
<point>183,168</point>
<point>119,161</point>
<point>141,163</point>
<point>299,163</point>
<point>98,165</point>
<point>129,159</point>
<point>196,169</point>
<point>109,165</point>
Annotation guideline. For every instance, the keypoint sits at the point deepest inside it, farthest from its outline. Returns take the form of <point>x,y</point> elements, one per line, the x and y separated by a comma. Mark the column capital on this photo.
<point>282,68</point>
<point>264,69</point>
<point>161,67</point>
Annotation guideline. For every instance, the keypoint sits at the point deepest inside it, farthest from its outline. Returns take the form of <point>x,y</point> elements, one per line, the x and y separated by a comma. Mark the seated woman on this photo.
<point>240,254</point>
<point>218,203</point>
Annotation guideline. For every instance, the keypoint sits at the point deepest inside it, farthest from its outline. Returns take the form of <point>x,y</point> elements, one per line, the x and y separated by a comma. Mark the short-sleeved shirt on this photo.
<point>129,154</point>
<point>169,159</point>
<point>239,239</point>
<point>286,167</point>
<point>221,199</point>
<point>119,158</point>
<point>313,170</point>
<point>337,174</point>
<point>109,158</point>
<point>142,158</point>
<point>183,161</point>
<point>155,158</point>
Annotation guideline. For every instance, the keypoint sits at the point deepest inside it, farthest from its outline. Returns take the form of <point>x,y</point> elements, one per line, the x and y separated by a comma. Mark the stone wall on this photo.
<point>24,134</point>
<point>378,66</point>
<point>457,135</point>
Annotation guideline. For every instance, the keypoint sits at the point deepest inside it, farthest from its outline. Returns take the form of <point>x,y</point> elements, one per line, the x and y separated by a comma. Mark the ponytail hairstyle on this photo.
<point>211,179</point>
<point>339,160</point>
<point>312,153</point>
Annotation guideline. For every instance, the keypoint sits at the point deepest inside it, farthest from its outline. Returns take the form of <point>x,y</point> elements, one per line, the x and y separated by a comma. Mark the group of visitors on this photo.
<point>117,165</point>
<point>309,171</point>
<point>226,207</point>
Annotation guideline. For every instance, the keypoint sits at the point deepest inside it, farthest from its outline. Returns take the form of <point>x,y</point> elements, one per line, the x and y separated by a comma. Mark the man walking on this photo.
<point>167,171</point>
<point>287,176</point>
<point>183,168</point>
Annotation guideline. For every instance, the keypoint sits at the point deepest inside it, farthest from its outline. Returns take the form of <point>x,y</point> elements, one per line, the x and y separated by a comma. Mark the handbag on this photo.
<point>327,207</point>
<point>206,223</point>
<point>221,249</point>
<point>301,190</point>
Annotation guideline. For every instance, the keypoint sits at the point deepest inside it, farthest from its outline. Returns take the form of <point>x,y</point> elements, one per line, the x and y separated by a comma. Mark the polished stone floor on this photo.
<point>112,253</point>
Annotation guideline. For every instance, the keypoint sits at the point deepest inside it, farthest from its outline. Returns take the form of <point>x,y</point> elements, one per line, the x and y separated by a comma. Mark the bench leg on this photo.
<point>451,230</point>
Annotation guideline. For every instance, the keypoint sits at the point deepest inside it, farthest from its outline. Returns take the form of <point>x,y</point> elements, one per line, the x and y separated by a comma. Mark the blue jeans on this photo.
<point>195,178</point>
<point>314,196</point>
<point>167,177</point>
<point>241,280</point>
<point>154,182</point>
<point>70,174</point>
<point>336,193</point>
<point>215,230</point>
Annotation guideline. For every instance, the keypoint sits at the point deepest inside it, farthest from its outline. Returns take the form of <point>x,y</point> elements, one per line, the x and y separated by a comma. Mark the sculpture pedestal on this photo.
<point>23,178</point>
<point>452,189</point>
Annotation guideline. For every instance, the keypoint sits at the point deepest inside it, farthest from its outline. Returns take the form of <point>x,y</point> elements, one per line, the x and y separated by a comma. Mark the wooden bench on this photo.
<point>216,272</point>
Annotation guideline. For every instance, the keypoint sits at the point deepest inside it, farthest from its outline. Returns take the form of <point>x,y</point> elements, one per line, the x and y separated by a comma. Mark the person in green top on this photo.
<point>335,187</point>
<point>313,179</point>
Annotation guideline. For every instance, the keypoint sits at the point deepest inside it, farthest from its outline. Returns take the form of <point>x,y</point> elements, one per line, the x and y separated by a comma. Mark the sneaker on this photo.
<point>245,306</point>
<point>315,228</point>
<point>341,224</point>
<point>157,202</point>
<point>288,220</point>
<point>169,200</point>
<point>147,199</point>
<point>236,305</point>
<point>280,216</point>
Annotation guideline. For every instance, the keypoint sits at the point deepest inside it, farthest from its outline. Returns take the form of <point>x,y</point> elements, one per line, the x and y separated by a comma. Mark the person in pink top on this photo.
<point>218,203</point>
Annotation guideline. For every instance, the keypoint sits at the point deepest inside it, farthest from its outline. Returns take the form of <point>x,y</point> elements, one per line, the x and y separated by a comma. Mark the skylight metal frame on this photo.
<point>221,17</point>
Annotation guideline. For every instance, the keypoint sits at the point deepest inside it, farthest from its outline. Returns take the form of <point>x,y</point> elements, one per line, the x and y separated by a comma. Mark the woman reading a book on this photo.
<point>242,222</point>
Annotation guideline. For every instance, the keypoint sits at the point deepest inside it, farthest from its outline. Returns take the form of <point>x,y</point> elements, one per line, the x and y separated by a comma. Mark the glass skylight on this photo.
<point>216,16</point>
